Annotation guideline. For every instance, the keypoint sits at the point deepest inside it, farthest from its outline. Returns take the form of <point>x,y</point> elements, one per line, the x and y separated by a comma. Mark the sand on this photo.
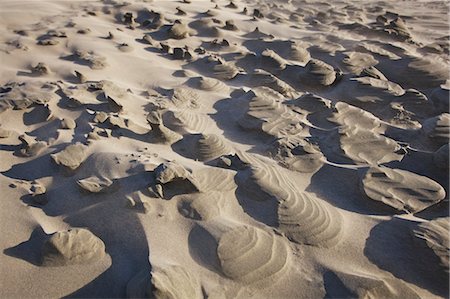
<point>224,149</point>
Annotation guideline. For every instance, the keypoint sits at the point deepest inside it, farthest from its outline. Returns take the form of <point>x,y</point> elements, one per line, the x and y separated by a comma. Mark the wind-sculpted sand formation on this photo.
<point>224,149</point>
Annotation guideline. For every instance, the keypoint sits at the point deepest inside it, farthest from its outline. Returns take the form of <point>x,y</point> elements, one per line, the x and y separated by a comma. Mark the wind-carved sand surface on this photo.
<point>217,149</point>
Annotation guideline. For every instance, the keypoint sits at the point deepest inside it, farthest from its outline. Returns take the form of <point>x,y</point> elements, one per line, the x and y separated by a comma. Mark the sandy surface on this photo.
<point>216,149</point>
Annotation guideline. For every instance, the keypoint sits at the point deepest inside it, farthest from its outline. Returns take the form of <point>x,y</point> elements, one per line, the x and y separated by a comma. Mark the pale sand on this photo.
<point>217,149</point>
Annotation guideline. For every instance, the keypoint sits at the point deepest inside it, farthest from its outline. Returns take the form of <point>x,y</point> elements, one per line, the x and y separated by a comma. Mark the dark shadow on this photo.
<point>29,250</point>
<point>76,59</point>
<point>105,215</point>
<point>392,246</point>
<point>259,205</point>
<point>47,131</point>
<point>38,114</point>
<point>34,169</point>
<point>229,111</point>
<point>345,192</point>
<point>30,74</point>
<point>334,287</point>
<point>203,248</point>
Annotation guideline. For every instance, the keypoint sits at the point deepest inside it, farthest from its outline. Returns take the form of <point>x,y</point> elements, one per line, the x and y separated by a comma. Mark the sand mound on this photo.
<point>211,84</point>
<point>248,254</point>
<point>225,71</point>
<point>297,154</point>
<point>171,175</point>
<point>23,95</point>
<point>401,189</point>
<point>75,246</point>
<point>364,146</point>
<point>185,98</point>
<point>95,61</point>
<point>351,116</point>
<point>438,128</point>
<point>356,62</point>
<point>95,184</point>
<point>30,147</point>
<point>71,157</point>
<point>306,220</point>
<point>170,281</point>
<point>266,113</point>
<point>317,73</point>
<point>225,149</point>
<point>211,146</point>
<point>159,132</point>
<point>299,53</point>
<point>418,73</point>
<point>272,61</point>
<point>435,235</point>
<point>179,31</point>
<point>205,27</point>
<point>263,78</point>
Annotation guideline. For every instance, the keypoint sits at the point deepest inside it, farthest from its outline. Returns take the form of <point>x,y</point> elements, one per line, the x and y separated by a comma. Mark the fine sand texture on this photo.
<point>224,149</point>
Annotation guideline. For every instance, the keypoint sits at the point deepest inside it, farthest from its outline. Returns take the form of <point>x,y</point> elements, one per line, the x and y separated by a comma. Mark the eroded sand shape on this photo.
<point>75,246</point>
<point>250,255</point>
<point>401,189</point>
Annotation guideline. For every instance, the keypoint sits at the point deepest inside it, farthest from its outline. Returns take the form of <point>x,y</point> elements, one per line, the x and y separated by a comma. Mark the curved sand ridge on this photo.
<point>418,73</point>
<point>163,282</point>
<point>302,217</point>
<point>263,78</point>
<point>356,62</point>
<point>225,71</point>
<point>215,179</point>
<point>189,121</point>
<point>306,220</point>
<point>267,114</point>
<point>299,53</point>
<point>272,61</point>
<point>435,235</point>
<point>251,255</point>
<point>211,146</point>
<point>348,115</point>
<point>401,189</point>
<point>211,84</point>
